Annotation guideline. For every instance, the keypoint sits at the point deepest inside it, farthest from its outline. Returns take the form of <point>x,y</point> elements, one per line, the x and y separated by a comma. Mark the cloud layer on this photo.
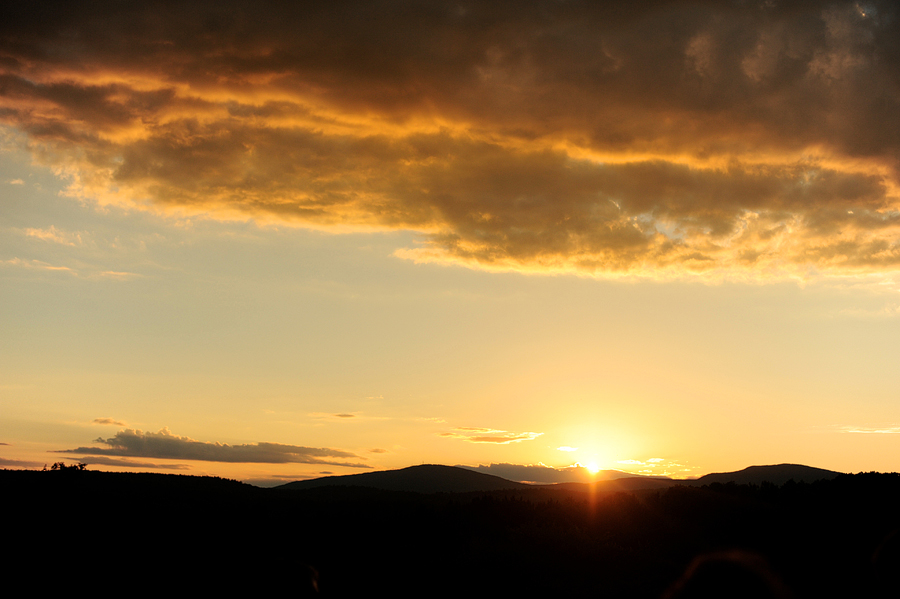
<point>489,435</point>
<point>539,473</point>
<point>165,445</point>
<point>669,138</point>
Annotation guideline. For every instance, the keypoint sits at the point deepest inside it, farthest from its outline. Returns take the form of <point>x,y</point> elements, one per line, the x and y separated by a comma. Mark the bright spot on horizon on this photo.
<point>592,467</point>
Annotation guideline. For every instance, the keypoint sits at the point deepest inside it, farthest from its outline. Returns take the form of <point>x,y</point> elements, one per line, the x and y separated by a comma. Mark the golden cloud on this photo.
<point>668,139</point>
<point>489,435</point>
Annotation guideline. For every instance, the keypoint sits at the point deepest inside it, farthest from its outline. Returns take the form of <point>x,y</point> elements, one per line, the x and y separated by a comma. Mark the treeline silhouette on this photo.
<point>205,535</point>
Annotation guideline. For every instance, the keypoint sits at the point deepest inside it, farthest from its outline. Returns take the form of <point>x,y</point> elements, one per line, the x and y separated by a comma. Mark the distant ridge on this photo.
<point>546,475</point>
<point>776,474</point>
<point>427,478</point>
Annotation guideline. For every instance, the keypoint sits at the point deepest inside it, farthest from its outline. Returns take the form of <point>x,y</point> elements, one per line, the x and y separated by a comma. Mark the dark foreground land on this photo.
<point>66,531</point>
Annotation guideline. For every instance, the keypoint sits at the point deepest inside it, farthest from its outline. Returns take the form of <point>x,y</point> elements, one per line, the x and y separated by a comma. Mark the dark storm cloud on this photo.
<point>654,138</point>
<point>165,445</point>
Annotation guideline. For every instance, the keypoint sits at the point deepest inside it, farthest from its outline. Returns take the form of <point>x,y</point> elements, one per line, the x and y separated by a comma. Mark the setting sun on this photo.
<point>546,252</point>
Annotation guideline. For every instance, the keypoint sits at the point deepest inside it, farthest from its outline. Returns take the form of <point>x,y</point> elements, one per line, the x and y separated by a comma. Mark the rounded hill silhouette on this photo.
<point>426,478</point>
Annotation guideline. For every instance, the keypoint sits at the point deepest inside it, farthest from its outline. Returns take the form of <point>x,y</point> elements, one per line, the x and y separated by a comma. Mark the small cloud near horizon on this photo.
<point>165,445</point>
<point>541,473</point>
<point>120,463</point>
<point>108,421</point>
<point>20,463</point>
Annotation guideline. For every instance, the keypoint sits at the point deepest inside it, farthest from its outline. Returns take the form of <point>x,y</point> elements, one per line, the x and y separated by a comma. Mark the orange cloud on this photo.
<point>753,140</point>
<point>489,435</point>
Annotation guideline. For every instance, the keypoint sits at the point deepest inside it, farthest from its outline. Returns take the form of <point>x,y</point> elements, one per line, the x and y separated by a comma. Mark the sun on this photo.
<point>592,467</point>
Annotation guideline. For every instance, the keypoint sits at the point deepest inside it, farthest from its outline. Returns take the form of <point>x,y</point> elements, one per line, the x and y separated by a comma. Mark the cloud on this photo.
<point>36,265</point>
<point>8,463</point>
<point>16,182</point>
<point>656,467</point>
<point>750,139</point>
<point>885,430</point>
<point>55,235</point>
<point>489,435</point>
<point>165,445</point>
<point>115,274</point>
<point>378,450</point>
<point>539,473</point>
<point>131,463</point>
<point>344,416</point>
<point>107,421</point>
<point>566,448</point>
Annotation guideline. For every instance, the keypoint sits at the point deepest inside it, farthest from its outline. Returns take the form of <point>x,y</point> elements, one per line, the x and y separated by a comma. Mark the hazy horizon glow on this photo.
<point>279,240</point>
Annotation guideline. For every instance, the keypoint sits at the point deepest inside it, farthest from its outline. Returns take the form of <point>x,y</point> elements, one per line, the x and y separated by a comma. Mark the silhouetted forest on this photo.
<point>73,530</point>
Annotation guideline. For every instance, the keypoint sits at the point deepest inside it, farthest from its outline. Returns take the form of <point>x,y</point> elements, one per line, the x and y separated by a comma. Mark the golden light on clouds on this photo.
<point>489,435</point>
<point>752,141</point>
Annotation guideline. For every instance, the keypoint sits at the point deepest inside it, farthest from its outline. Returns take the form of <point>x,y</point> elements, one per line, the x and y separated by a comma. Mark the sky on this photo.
<point>272,241</point>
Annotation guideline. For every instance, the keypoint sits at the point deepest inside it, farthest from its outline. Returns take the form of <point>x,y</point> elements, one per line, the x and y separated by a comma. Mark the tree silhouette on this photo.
<point>64,466</point>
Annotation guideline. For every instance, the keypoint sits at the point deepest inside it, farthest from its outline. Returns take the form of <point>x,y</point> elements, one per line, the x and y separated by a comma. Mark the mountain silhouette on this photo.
<point>544,475</point>
<point>834,538</point>
<point>776,474</point>
<point>433,478</point>
<point>426,478</point>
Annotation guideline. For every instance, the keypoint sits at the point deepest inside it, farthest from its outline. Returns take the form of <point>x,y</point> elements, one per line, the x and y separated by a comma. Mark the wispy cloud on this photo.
<point>87,274</point>
<point>541,473</point>
<point>666,140</point>
<point>108,421</point>
<point>344,416</point>
<point>122,463</point>
<point>864,430</point>
<point>656,467</point>
<point>489,435</point>
<point>55,235</point>
<point>165,445</point>
<point>8,463</point>
<point>117,274</point>
<point>36,265</point>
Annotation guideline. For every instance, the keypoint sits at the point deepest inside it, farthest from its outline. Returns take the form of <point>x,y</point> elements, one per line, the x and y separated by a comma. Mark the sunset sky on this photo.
<point>276,240</point>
